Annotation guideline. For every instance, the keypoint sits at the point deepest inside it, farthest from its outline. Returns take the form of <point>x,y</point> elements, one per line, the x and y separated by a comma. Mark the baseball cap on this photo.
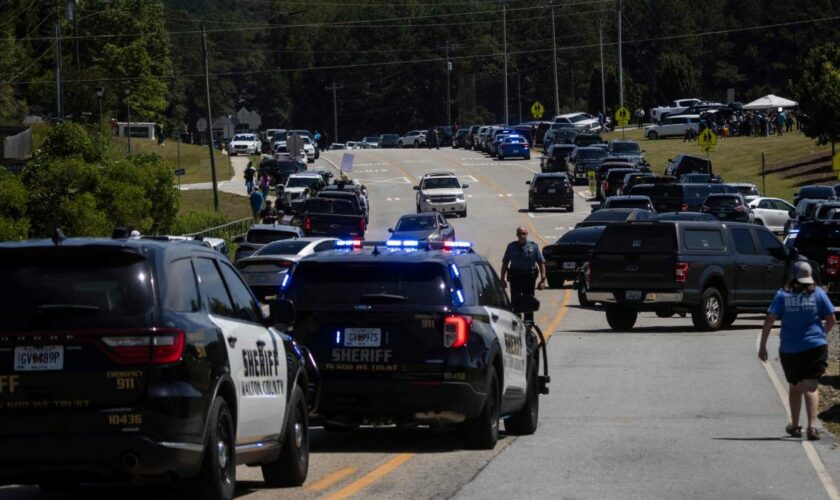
<point>802,273</point>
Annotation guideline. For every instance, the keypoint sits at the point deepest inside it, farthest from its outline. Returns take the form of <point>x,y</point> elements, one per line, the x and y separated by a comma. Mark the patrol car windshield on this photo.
<point>288,247</point>
<point>59,291</point>
<point>441,183</point>
<point>415,223</point>
<point>261,237</point>
<point>329,284</point>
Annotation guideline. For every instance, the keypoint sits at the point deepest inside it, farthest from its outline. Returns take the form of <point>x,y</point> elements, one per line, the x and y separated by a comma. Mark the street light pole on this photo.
<point>620,65</point>
<point>128,123</point>
<point>554,52</point>
<point>448,88</point>
<point>504,44</point>
<point>334,88</point>
<point>99,93</point>
<point>210,119</point>
<point>59,110</point>
<point>603,84</point>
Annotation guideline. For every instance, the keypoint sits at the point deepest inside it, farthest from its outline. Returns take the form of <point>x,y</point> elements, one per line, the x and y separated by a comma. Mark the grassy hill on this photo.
<point>195,160</point>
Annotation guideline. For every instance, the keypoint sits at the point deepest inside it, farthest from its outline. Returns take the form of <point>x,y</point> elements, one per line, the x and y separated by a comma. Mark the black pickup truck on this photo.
<point>710,270</point>
<point>819,241</point>
<point>332,217</point>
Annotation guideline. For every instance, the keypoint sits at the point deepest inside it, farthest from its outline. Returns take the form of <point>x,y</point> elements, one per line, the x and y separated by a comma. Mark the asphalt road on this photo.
<point>662,412</point>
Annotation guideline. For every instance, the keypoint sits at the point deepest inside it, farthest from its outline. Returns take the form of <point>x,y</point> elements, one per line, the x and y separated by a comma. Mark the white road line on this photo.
<point>469,178</point>
<point>530,215</point>
<point>509,195</point>
<point>585,194</point>
<point>810,451</point>
<point>396,199</point>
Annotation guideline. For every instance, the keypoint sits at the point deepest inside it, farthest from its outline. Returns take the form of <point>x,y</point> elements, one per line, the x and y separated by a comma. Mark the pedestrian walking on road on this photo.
<point>520,264</point>
<point>249,174</point>
<point>802,307</point>
<point>256,200</point>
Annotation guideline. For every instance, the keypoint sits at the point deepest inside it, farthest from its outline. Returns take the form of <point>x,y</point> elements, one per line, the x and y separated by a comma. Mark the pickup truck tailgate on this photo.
<point>637,256</point>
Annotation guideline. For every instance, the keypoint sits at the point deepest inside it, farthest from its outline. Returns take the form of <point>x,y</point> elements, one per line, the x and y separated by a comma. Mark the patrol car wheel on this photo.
<point>525,421</point>
<point>292,466</point>
<point>482,432</point>
<point>217,478</point>
<point>621,320</point>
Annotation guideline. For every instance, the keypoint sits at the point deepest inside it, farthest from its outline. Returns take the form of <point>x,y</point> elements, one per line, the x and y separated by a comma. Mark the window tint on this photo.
<point>703,239</point>
<point>780,205</point>
<point>485,287</point>
<point>769,244</point>
<point>262,237</point>
<point>632,238</point>
<point>325,246</point>
<point>213,289</point>
<point>765,204</point>
<point>181,291</point>
<point>246,306</point>
<point>743,241</point>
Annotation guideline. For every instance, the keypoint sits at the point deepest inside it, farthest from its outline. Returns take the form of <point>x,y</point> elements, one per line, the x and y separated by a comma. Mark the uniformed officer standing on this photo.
<point>520,264</point>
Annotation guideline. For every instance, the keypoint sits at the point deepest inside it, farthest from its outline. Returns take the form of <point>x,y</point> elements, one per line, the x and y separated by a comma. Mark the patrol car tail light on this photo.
<point>151,347</point>
<point>680,272</point>
<point>456,330</point>
<point>832,265</point>
<point>307,224</point>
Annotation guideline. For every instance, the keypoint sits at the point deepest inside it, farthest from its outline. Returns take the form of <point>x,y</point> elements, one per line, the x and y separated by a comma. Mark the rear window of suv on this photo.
<point>723,201</point>
<point>328,284</point>
<point>262,237</point>
<point>58,291</point>
<point>551,182</point>
<point>638,239</point>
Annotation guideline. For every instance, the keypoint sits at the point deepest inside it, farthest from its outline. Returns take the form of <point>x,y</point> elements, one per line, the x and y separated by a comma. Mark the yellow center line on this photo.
<point>331,479</point>
<point>372,477</point>
<point>561,313</point>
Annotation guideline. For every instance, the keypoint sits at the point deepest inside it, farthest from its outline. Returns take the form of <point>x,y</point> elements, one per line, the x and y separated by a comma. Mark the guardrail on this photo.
<point>227,231</point>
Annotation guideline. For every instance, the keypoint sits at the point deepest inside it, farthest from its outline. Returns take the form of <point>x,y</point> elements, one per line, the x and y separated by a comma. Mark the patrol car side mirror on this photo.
<point>390,229</point>
<point>416,188</point>
<point>239,240</point>
<point>525,304</point>
<point>281,312</point>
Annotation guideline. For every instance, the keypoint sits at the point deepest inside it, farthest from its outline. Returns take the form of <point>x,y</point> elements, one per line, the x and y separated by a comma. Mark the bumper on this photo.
<point>551,201</point>
<point>31,459</point>
<point>458,206</point>
<point>398,400</point>
<point>646,298</point>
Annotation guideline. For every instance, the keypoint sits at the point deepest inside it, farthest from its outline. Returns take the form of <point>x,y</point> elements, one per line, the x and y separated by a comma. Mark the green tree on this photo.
<point>818,93</point>
<point>14,223</point>
<point>677,76</point>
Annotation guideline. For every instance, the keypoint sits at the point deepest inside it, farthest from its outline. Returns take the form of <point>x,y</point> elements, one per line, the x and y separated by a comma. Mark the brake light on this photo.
<point>588,274</point>
<point>307,224</point>
<point>740,208</point>
<point>832,266</point>
<point>151,347</point>
<point>456,330</point>
<point>680,272</point>
<point>684,207</point>
<point>606,186</point>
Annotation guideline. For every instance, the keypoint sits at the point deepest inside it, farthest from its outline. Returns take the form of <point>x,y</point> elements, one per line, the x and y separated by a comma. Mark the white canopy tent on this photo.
<point>770,101</point>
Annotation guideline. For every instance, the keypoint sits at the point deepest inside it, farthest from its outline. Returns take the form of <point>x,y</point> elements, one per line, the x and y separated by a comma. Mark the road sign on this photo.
<point>180,171</point>
<point>537,109</point>
<point>707,140</point>
<point>835,164</point>
<point>622,116</point>
<point>294,144</point>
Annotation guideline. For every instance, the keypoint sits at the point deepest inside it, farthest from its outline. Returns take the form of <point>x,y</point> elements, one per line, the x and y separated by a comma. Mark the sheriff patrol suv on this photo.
<point>410,332</point>
<point>134,358</point>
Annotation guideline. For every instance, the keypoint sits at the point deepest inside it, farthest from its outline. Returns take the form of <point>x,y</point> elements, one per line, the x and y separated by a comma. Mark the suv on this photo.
<point>413,139</point>
<point>584,159</point>
<point>814,193</point>
<point>612,182</point>
<point>819,241</point>
<point>408,332</point>
<point>299,186</point>
<point>626,201</point>
<point>688,164</point>
<point>551,190</point>
<point>140,359</point>
<point>727,207</point>
<point>711,270</point>
<point>441,192</point>
<point>259,235</point>
<point>684,197</point>
<point>246,144</point>
<point>554,159</point>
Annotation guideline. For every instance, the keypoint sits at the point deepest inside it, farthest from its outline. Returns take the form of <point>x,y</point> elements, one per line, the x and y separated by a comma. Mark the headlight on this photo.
<point>460,197</point>
<point>428,199</point>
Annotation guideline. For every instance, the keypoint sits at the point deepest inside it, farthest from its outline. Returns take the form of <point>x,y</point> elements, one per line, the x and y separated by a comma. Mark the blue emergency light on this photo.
<point>402,243</point>
<point>348,243</point>
<point>457,244</point>
<point>453,268</point>
<point>285,283</point>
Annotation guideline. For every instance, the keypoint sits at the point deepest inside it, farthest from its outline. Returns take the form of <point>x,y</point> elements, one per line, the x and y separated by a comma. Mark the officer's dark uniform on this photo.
<point>269,215</point>
<point>522,273</point>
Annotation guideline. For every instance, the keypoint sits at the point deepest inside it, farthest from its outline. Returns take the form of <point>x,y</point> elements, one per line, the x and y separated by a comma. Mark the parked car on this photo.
<point>265,269</point>
<point>387,141</point>
<point>460,139</point>
<point>625,148</point>
<point>583,140</point>
<point>259,235</point>
<point>632,179</point>
<point>727,207</point>
<point>299,186</point>
<point>688,164</point>
<point>748,190</point>
<point>441,192</point>
<point>628,201</point>
<point>699,179</point>
<point>804,212</point>
<point>673,126</point>
<point>580,121</point>
<point>472,137</point>
<point>679,106</point>
<point>612,181</point>
<point>819,242</point>
<point>423,227</point>
<point>605,167</point>
<point>613,215</point>
<point>245,144</point>
<point>551,190</point>
<point>514,146</point>
<point>339,218</point>
<point>771,212</point>
<point>551,135</point>
<point>564,259</point>
<point>372,141</point>
<point>684,197</point>
<point>413,139</point>
<point>814,193</point>
<point>554,159</point>
<point>584,159</point>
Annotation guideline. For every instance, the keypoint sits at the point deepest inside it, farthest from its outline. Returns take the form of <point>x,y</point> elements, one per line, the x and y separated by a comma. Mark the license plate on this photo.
<point>362,337</point>
<point>32,359</point>
<point>552,191</point>
<point>569,265</point>
<point>633,295</point>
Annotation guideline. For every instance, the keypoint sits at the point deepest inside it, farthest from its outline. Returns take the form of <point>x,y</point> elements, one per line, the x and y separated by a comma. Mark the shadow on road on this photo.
<point>386,440</point>
<point>784,438</point>
<point>667,329</point>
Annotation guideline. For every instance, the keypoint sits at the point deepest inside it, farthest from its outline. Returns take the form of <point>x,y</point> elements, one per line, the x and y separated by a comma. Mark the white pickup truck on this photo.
<point>661,112</point>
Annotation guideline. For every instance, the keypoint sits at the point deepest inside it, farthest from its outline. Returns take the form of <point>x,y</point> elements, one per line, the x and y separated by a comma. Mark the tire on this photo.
<point>555,282</point>
<point>418,210</point>
<point>462,213</point>
<point>621,320</point>
<point>531,207</point>
<point>570,208</point>
<point>708,316</point>
<point>482,432</point>
<point>584,302</point>
<point>217,481</point>
<point>729,317</point>
<point>653,135</point>
<point>525,421</point>
<point>292,466</point>
<point>501,157</point>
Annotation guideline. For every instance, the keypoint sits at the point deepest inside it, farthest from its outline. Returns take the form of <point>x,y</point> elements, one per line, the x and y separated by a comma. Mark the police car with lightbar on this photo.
<point>411,332</point>
<point>131,359</point>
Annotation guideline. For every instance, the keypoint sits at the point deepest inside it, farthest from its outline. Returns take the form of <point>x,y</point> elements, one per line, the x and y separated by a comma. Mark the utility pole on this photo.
<point>554,52</point>
<point>334,88</point>
<point>448,88</point>
<point>209,119</point>
<point>127,93</point>
<point>519,93</point>
<point>504,44</point>
<point>620,66</point>
<point>59,111</point>
<point>603,84</point>
<point>72,7</point>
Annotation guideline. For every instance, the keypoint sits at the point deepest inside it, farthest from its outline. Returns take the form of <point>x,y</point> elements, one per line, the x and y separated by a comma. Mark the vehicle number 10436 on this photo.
<point>125,419</point>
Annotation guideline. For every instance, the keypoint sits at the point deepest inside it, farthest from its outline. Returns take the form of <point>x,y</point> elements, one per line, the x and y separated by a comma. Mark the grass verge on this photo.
<point>194,159</point>
<point>232,206</point>
<point>792,160</point>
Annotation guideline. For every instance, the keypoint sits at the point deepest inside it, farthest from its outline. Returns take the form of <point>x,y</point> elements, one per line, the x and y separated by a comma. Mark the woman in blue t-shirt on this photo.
<point>802,306</point>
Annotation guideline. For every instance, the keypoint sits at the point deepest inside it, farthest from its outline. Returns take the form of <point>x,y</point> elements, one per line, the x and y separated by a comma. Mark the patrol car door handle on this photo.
<point>232,341</point>
<point>494,317</point>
